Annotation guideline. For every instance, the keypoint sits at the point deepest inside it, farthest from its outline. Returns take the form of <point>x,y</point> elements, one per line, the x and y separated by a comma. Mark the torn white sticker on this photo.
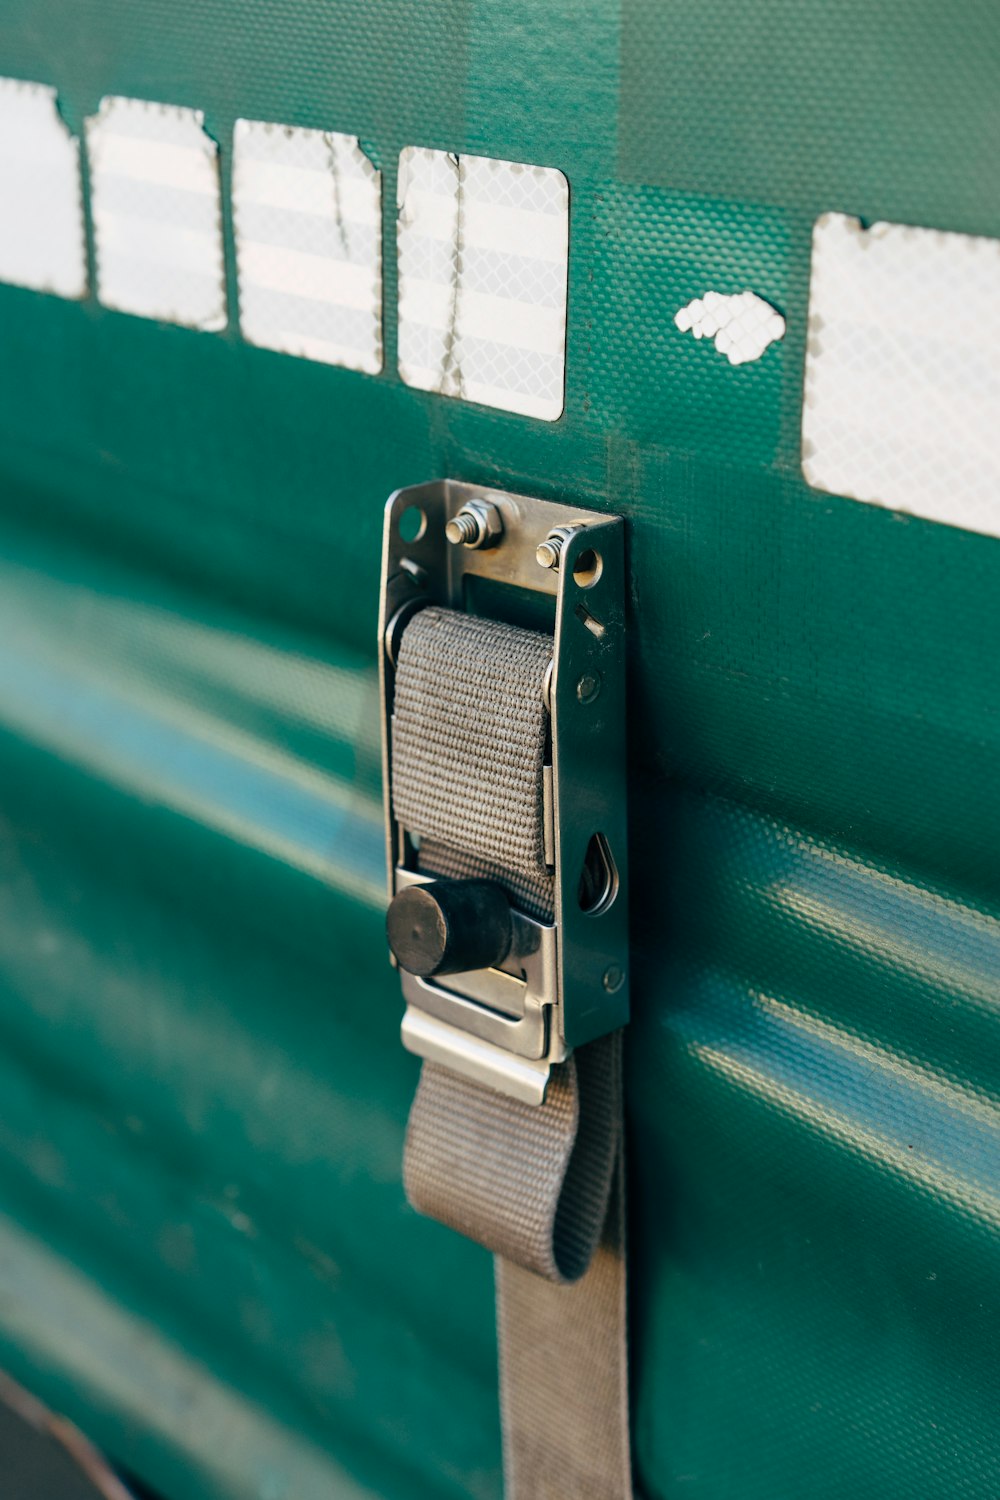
<point>42,241</point>
<point>154,177</point>
<point>483,248</point>
<point>741,326</point>
<point>902,386</point>
<point>307,219</point>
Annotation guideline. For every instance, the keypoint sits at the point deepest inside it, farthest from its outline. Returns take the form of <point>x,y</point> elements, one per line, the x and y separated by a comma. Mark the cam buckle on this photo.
<point>491,991</point>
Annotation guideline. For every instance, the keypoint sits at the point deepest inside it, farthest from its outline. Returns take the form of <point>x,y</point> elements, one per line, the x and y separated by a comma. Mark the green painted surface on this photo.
<point>205,1255</point>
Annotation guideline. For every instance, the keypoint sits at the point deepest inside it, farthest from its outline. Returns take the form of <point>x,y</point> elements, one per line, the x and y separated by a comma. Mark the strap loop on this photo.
<point>531,1184</point>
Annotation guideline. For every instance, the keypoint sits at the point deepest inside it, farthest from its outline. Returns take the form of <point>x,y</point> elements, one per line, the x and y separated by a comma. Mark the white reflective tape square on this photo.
<point>154,180</point>
<point>483,247</point>
<point>902,390</point>
<point>308,223</point>
<point>42,241</point>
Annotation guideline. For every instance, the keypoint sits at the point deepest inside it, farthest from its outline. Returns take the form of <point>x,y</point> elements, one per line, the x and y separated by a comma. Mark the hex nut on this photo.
<point>478,524</point>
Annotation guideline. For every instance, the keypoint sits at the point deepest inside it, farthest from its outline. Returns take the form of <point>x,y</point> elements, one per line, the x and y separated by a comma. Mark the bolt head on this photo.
<point>588,687</point>
<point>613,979</point>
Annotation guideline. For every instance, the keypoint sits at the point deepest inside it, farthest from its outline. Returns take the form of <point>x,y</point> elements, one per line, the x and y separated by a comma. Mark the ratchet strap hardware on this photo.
<point>503,690</point>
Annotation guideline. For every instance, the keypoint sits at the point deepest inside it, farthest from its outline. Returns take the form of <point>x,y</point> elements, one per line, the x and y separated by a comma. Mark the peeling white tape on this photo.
<point>154,177</point>
<point>42,241</point>
<point>307,217</point>
<point>902,391</point>
<point>483,249</point>
<point>741,326</point>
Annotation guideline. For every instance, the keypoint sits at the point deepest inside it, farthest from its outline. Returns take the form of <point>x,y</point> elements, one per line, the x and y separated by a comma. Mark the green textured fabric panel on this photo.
<point>205,1252</point>
<point>886,110</point>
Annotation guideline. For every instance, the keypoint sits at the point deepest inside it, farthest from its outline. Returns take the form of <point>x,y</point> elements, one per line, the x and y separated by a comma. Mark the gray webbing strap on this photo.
<point>542,1187</point>
<point>564,1375</point>
<point>530,1183</point>
<point>469,733</point>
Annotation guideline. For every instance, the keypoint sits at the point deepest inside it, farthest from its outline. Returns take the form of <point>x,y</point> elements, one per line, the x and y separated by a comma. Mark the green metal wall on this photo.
<point>205,1254</point>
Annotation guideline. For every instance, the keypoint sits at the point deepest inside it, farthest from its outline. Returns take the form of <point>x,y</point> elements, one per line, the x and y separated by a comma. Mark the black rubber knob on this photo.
<point>449,927</point>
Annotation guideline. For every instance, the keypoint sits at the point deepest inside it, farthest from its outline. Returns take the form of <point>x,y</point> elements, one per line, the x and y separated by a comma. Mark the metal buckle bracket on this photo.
<point>493,1025</point>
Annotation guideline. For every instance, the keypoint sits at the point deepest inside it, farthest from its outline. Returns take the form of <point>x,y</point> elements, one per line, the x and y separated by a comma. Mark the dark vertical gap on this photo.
<point>223,138</point>
<point>389,166</point>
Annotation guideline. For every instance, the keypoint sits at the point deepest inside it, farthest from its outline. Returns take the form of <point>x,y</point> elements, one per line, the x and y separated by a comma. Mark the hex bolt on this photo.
<point>462,529</point>
<point>548,553</point>
<point>477,524</point>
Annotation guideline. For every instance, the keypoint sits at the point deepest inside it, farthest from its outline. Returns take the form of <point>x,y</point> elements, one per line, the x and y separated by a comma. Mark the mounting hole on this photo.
<point>587,569</point>
<point>412,524</point>
<point>598,879</point>
<point>614,978</point>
